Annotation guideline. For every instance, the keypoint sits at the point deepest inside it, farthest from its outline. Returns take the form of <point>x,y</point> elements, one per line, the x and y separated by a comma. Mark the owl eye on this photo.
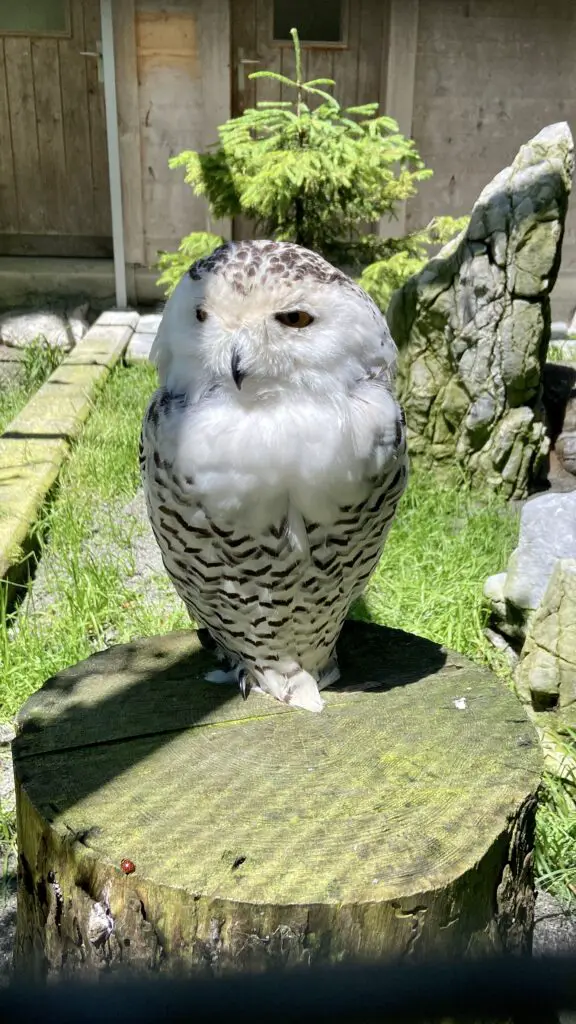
<point>201,314</point>
<point>296,318</point>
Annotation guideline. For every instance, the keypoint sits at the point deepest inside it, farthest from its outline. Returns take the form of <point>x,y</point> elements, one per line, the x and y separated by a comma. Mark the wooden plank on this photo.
<point>384,54</point>
<point>243,43</point>
<point>52,155</point>
<point>27,171</point>
<point>171,120</point>
<point>46,244</point>
<point>214,54</point>
<point>373,39</point>
<point>318,64</point>
<point>345,62</point>
<point>79,208</point>
<point>403,42</point>
<point>101,211</point>
<point>287,68</point>
<point>267,51</point>
<point>129,129</point>
<point>8,198</point>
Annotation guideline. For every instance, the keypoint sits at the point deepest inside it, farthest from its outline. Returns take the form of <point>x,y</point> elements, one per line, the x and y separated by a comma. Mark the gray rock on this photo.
<point>547,534</point>
<point>473,326</point>
<point>533,606</point>
<point>62,329</point>
<point>119,318</point>
<point>546,674</point>
<point>149,323</point>
<point>139,347</point>
<point>554,927</point>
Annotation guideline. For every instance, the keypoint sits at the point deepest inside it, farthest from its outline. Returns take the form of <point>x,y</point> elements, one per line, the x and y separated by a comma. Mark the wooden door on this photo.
<point>346,40</point>
<point>54,193</point>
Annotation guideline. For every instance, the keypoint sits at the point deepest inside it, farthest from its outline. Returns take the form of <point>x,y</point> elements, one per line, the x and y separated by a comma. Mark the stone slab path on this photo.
<point>37,441</point>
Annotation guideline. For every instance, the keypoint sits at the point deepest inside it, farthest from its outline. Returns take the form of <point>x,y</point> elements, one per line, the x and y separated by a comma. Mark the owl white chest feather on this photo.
<point>249,462</point>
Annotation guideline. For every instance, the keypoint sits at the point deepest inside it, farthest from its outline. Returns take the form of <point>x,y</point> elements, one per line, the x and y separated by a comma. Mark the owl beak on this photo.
<point>237,375</point>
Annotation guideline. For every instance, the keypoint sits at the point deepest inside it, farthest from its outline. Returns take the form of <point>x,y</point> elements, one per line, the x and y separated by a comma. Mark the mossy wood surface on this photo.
<point>398,821</point>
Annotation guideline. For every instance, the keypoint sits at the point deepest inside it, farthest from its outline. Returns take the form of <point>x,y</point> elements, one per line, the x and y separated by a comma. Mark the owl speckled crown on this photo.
<point>244,264</point>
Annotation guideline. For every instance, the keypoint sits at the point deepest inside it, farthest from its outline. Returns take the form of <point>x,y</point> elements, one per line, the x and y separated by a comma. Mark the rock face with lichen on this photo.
<point>533,605</point>
<point>547,536</point>
<point>473,326</point>
<point>546,674</point>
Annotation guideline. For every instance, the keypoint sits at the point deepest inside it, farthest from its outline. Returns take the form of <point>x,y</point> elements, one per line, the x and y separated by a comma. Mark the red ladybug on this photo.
<point>127,866</point>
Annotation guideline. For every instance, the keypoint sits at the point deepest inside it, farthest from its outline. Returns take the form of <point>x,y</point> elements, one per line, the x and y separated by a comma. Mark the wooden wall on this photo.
<point>54,195</point>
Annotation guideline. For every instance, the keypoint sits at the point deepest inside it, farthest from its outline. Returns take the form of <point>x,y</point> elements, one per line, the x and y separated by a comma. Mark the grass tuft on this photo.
<point>555,860</point>
<point>36,362</point>
<point>445,542</point>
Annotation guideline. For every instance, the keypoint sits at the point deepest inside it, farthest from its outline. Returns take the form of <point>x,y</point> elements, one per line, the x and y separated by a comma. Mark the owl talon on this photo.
<point>244,683</point>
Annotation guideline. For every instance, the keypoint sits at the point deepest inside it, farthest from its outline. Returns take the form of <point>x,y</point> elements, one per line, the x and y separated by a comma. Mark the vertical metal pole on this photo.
<point>109,74</point>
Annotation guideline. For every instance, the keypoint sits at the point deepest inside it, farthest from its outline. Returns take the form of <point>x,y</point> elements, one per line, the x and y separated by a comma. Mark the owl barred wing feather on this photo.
<point>273,457</point>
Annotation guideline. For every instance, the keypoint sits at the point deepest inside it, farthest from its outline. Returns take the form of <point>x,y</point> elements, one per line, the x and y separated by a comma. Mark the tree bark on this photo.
<point>397,823</point>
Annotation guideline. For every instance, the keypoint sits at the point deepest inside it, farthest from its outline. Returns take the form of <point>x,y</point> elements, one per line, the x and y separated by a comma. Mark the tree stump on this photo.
<point>397,822</point>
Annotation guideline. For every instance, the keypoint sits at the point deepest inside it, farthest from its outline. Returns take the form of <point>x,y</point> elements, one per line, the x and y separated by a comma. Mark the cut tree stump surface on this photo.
<point>400,818</point>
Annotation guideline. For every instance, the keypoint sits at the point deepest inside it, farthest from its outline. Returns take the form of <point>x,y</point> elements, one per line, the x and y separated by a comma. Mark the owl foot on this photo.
<point>244,683</point>
<point>236,675</point>
<point>302,692</point>
<point>299,689</point>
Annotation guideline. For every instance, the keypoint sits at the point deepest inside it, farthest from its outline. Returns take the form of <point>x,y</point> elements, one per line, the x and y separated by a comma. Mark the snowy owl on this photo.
<point>273,456</point>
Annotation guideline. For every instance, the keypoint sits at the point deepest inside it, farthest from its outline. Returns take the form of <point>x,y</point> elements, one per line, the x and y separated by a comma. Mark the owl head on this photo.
<point>260,318</point>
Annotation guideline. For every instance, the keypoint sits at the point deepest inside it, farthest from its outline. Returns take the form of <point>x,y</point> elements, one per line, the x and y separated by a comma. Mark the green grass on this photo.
<point>556,827</point>
<point>37,362</point>
<point>88,599</point>
<point>444,543</point>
